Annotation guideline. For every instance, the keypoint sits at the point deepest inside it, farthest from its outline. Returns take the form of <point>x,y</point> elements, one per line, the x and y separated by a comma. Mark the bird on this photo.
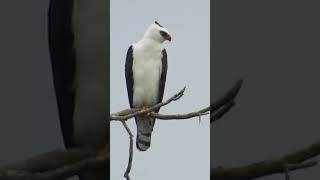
<point>79,51</point>
<point>146,71</point>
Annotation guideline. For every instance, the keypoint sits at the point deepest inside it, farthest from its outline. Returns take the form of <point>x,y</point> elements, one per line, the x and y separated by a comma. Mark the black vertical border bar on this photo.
<point>211,68</point>
<point>108,83</point>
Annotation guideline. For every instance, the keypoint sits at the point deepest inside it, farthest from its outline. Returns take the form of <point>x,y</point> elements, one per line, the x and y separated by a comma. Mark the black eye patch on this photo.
<point>156,22</point>
<point>163,34</point>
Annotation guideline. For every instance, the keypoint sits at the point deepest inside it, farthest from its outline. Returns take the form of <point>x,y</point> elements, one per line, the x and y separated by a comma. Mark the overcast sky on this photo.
<point>28,113</point>
<point>179,149</point>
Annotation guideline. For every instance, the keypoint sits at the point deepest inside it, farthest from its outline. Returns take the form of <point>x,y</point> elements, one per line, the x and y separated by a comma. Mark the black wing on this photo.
<point>129,75</point>
<point>162,82</point>
<point>62,61</point>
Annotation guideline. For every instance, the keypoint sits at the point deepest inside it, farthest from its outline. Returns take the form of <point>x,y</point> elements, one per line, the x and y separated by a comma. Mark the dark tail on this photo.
<point>144,130</point>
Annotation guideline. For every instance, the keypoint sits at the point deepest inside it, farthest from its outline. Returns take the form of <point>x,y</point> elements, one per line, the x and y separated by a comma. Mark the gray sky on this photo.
<point>29,121</point>
<point>179,150</point>
<point>275,46</point>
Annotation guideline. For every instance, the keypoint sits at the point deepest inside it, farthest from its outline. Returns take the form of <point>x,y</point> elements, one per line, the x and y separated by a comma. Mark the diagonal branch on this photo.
<point>130,113</point>
<point>126,174</point>
<point>224,110</point>
<point>201,112</point>
<point>224,104</point>
<point>61,164</point>
<point>58,164</point>
<point>292,161</point>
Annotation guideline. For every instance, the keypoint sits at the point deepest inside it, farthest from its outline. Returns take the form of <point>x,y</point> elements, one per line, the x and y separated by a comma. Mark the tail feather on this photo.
<point>144,130</point>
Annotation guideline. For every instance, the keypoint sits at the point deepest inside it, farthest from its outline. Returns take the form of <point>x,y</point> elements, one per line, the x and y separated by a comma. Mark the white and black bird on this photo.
<point>146,71</point>
<point>78,43</point>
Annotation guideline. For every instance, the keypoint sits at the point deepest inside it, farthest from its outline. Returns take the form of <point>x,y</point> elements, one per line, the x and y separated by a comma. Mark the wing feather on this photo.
<point>129,75</point>
<point>62,60</point>
<point>163,77</point>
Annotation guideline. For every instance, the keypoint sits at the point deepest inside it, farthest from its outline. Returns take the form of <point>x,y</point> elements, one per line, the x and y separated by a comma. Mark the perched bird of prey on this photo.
<point>79,51</point>
<point>146,71</point>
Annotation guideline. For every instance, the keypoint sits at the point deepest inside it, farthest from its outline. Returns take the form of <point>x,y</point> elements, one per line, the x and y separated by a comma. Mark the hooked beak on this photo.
<point>167,37</point>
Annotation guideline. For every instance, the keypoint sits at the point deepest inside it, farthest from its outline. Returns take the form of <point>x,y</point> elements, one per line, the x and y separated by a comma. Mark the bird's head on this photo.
<point>157,33</point>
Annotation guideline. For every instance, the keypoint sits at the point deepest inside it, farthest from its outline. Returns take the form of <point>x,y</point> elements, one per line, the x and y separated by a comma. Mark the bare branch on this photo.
<point>224,110</point>
<point>292,161</point>
<point>199,113</point>
<point>126,174</point>
<point>59,164</point>
<point>292,167</point>
<point>130,113</point>
<point>224,104</point>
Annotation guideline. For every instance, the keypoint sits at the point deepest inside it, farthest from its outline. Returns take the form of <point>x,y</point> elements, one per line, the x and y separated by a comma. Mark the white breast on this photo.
<point>147,66</point>
<point>90,28</point>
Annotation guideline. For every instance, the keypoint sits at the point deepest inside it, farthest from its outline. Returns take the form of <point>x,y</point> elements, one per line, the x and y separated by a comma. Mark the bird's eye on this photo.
<point>163,33</point>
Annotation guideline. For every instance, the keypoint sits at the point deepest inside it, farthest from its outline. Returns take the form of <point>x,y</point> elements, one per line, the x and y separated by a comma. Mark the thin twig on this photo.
<point>199,113</point>
<point>296,161</point>
<point>224,104</point>
<point>287,172</point>
<point>302,165</point>
<point>292,167</point>
<point>219,114</point>
<point>126,174</point>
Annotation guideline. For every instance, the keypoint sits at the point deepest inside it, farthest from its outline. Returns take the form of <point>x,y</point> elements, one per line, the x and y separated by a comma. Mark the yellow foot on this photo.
<point>144,108</point>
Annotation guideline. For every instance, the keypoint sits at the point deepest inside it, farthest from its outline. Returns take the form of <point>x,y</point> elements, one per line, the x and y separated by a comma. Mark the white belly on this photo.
<point>146,72</point>
<point>90,28</point>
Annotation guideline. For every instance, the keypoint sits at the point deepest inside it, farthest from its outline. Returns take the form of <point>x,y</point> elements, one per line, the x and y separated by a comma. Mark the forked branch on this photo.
<point>289,162</point>
<point>130,113</point>
<point>224,104</point>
